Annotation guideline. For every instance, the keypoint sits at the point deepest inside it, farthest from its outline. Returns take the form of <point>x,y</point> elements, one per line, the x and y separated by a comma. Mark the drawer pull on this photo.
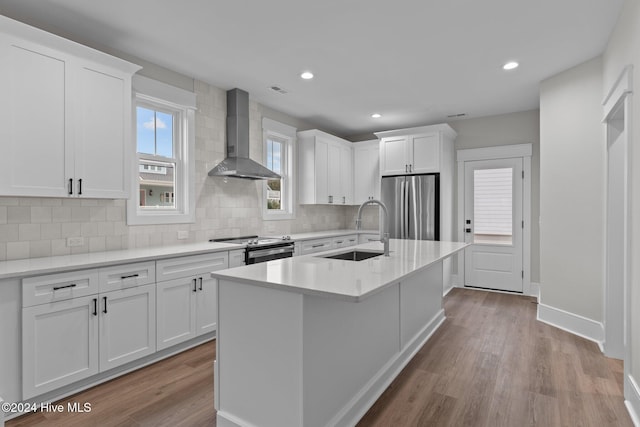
<point>129,276</point>
<point>95,306</point>
<point>319,245</point>
<point>195,285</point>
<point>70,285</point>
<point>200,283</point>
<point>105,305</point>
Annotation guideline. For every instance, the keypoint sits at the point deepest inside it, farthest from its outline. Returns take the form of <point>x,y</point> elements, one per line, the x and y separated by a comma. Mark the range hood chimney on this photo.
<point>238,164</point>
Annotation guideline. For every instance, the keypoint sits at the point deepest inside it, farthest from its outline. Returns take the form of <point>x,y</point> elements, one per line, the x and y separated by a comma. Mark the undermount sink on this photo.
<point>354,255</point>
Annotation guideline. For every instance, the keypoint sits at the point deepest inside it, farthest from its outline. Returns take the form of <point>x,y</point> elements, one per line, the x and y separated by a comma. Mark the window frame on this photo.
<point>159,96</point>
<point>285,134</point>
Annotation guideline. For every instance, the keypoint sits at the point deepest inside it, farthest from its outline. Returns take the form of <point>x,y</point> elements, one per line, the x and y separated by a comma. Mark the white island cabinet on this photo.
<point>311,341</point>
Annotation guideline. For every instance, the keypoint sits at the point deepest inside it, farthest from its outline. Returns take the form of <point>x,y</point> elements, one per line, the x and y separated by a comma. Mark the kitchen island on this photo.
<point>313,341</point>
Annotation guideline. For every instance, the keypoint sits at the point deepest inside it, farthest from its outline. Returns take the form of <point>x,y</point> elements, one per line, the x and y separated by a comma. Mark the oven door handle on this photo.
<point>266,252</point>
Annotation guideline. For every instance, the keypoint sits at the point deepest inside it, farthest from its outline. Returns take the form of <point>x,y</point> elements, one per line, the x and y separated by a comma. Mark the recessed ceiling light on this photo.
<point>510,65</point>
<point>307,75</point>
<point>376,115</point>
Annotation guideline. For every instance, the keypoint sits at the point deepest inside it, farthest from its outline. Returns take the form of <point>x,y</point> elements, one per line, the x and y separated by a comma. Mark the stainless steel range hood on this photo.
<point>238,164</point>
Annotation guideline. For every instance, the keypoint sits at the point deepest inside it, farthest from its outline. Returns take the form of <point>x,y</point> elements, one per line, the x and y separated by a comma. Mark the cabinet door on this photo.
<point>346,176</point>
<point>393,155</point>
<point>321,176</point>
<point>207,305</point>
<point>366,173</point>
<point>425,153</point>
<point>59,344</point>
<point>102,132</point>
<point>127,325</point>
<point>333,174</point>
<point>176,311</point>
<point>34,125</point>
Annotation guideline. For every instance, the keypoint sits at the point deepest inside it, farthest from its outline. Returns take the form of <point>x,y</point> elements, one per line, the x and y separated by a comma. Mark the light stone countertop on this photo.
<point>56,264</point>
<point>346,280</point>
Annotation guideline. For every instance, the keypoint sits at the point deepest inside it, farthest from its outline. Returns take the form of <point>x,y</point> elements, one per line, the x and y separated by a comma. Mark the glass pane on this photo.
<point>145,130</point>
<point>157,185</point>
<point>164,134</point>
<point>277,154</point>
<point>493,206</point>
<point>274,194</point>
<point>270,154</point>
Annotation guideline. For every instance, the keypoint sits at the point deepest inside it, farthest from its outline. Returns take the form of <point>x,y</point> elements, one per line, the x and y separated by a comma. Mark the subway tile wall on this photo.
<point>39,227</point>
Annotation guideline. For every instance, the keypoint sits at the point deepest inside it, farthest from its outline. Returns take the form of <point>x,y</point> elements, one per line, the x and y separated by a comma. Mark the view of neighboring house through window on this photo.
<point>275,189</point>
<point>162,187</point>
<point>156,159</point>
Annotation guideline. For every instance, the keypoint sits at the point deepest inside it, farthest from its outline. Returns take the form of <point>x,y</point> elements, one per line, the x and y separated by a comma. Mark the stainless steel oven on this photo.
<point>262,249</point>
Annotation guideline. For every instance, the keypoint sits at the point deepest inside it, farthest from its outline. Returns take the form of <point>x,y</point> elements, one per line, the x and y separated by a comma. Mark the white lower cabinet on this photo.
<point>186,306</point>
<point>127,325</point>
<point>345,241</point>
<point>59,344</point>
<point>368,237</point>
<point>75,338</point>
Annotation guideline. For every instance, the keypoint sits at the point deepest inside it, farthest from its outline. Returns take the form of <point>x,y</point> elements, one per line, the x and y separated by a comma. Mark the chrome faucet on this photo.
<point>384,234</point>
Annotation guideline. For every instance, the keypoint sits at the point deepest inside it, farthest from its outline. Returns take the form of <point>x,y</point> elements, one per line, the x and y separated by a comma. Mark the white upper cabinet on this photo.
<point>366,171</point>
<point>65,117</point>
<point>325,169</point>
<point>414,150</point>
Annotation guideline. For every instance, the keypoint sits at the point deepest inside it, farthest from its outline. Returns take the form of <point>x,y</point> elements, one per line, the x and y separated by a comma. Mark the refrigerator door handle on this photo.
<point>402,206</point>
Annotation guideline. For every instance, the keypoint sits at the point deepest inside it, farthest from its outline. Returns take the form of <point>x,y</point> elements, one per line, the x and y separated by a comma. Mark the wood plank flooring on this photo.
<point>490,364</point>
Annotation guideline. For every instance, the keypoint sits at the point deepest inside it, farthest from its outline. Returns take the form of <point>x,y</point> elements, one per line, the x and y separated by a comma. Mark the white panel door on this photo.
<point>34,124</point>
<point>207,305</point>
<point>493,224</point>
<point>102,133</point>
<point>176,311</point>
<point>393,154</point>
<point>59,344</point>
<point>426,153</point>
<point>127,325</point>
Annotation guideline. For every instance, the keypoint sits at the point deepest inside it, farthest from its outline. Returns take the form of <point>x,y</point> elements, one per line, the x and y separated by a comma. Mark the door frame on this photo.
<point>493,153</point>
<point>619,99</point>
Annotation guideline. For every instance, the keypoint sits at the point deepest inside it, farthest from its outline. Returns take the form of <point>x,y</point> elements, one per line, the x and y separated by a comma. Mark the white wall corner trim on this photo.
<point>534,290</point>
<point>573,323</point>
<point>620,89</point>
<point>632,402</point>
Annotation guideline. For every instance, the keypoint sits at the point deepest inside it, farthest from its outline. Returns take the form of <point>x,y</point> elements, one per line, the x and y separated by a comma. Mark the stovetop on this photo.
<point>254,240</point>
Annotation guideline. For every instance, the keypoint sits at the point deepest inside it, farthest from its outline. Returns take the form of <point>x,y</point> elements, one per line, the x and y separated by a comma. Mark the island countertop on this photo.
<point>346,280</point>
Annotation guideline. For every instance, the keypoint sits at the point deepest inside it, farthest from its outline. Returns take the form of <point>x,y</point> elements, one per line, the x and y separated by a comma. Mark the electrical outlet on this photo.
<point>75,241</point>
<point>183,234</point>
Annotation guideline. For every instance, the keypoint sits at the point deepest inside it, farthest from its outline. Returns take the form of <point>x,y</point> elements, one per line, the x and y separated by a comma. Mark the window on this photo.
<point>164,121</point>
<point>493,206</point>
<point>278,200</point>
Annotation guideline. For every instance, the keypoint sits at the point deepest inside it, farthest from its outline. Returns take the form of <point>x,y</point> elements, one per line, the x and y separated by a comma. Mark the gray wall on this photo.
<point>507,129</point>
<point>572,197</point>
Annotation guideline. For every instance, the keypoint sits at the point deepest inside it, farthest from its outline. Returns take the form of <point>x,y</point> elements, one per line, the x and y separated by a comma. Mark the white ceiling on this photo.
<point>414,61</point>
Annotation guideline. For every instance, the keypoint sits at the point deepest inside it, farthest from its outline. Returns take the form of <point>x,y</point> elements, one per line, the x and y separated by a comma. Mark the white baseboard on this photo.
<point>632,399</point>
<point>573,323</point>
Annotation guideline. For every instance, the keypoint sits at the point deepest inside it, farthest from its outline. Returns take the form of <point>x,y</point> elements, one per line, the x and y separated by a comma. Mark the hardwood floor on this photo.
<point>490,364</point>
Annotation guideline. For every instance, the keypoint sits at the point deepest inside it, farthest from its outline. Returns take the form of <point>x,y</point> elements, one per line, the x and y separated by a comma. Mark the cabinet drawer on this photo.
<point>345,241</point>
<point>313,246</point>
<point>236,258</point>
<point>175,268</point>
<point>366,238</point>
<point>58,287</point>
<point>127,276</point>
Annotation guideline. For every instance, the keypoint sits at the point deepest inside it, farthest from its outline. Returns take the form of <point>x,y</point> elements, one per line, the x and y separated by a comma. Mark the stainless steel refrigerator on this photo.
<point>413,205</point>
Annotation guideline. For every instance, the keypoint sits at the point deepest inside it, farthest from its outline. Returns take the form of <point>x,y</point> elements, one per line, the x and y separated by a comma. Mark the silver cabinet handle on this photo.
<point>71,285</point>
